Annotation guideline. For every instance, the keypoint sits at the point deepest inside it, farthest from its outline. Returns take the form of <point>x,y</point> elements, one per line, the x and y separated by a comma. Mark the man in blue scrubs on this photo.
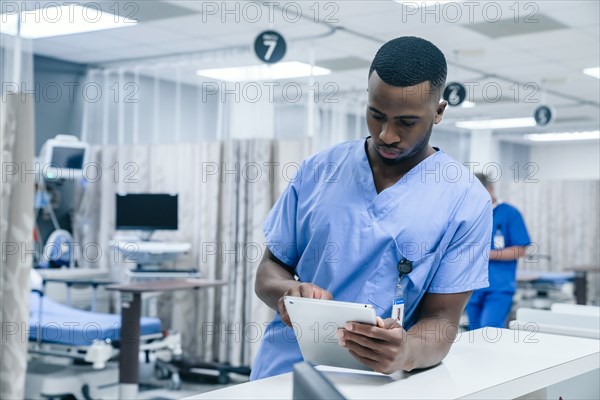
<point>491,306</point>
<point>358,208</point>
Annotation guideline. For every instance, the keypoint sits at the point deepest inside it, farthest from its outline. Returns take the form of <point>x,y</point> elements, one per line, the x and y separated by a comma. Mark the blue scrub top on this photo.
<point>509,221</point>
<point>333,228</point>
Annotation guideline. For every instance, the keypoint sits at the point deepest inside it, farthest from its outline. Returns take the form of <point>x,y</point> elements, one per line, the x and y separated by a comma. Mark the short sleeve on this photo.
<point>464,264</point>
<point>280,226</point>
<point>517,235</point>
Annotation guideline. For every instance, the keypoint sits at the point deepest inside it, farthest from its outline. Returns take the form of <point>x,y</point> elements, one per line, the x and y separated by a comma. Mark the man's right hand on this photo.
<point>302,290</point>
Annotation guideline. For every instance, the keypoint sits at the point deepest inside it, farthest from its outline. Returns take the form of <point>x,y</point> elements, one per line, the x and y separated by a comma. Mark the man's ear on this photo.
<point>439,112</point>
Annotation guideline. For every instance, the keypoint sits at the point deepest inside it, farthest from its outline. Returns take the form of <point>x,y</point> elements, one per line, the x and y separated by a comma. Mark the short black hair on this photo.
<point>408,61</point>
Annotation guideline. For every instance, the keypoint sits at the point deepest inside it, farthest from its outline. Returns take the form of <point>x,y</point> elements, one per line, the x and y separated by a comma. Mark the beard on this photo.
<point>419,147</point>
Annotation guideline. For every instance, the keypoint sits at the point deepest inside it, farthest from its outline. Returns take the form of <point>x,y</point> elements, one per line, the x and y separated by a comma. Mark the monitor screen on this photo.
<point>67,157</point>
<point>146,211</point>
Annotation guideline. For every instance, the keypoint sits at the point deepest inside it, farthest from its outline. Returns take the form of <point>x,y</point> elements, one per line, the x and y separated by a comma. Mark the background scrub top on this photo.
<point>335,231</point>
<point>508,219</point>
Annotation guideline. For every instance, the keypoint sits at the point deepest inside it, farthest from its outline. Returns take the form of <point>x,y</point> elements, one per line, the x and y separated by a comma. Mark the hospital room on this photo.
<point>300,199</point>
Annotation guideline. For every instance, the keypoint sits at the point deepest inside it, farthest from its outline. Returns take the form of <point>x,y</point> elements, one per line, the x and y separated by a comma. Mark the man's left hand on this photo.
<point>382,347</point>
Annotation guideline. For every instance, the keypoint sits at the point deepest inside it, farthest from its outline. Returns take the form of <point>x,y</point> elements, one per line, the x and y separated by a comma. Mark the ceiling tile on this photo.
<point>197,25</point>
<point>559,39</point>
<point>589,60</point>
<point>145,33</point>
<point>577,13</point>
<point>510,27</point>
<point>552,54</point>
<point>119,53</point>
<point>57,46</point>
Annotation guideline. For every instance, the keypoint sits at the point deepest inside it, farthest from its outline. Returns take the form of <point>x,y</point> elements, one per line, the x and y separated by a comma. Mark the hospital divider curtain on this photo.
<point>563,220</point>
<point>225,191</point>
<point>16,204</point>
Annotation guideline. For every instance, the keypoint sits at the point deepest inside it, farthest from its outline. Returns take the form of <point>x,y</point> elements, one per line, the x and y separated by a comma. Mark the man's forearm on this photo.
<point>428,342</point>
<point>507,254</point>
<point>274,289</point>
<point>272,281</point>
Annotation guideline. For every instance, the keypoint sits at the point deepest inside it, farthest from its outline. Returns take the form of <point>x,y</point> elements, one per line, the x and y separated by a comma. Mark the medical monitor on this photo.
<point>146,211</point>
<point>63,157</point>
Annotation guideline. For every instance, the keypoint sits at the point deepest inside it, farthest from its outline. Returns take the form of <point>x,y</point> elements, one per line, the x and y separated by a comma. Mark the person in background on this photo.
<point>491,306</point>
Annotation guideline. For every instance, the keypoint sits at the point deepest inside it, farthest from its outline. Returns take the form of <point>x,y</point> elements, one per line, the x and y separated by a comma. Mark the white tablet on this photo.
<point>316,323</point>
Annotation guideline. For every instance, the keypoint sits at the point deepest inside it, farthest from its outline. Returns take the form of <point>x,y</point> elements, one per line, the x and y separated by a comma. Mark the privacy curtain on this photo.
<point>16,219</point>
<point>164,134</point>
<point>225,192</point>
<point>563,219</point>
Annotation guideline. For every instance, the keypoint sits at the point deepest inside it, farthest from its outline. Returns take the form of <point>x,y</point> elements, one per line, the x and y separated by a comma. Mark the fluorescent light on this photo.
<point>64,20</point>
<point>594,72</point>
<point>284,70</point>
<point>467,104</point>
<point>497,123</point>
<point>562,136</point>
<point>426,3</point>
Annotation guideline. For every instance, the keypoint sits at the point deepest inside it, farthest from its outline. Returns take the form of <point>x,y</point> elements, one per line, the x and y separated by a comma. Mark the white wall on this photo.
<point>567,161</point>
<point>455,144</point>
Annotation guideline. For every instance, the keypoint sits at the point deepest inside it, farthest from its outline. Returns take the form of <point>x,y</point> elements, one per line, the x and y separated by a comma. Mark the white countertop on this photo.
<point>487,363</point>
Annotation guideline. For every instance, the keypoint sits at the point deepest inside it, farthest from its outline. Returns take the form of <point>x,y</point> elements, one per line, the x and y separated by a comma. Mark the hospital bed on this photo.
<point>72,351</point>
<point>541,289</point>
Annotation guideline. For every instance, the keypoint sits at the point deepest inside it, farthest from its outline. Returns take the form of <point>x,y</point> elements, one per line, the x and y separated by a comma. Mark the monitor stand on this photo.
<point>146,235</point>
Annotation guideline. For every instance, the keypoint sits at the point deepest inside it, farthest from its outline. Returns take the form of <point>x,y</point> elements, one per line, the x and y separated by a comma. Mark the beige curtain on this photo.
<point>563,219</point>
<point>225,191</point>
<point>16,219</point>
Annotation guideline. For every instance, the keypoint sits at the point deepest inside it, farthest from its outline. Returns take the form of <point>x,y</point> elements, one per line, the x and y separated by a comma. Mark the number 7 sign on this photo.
<point>270,46</point>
